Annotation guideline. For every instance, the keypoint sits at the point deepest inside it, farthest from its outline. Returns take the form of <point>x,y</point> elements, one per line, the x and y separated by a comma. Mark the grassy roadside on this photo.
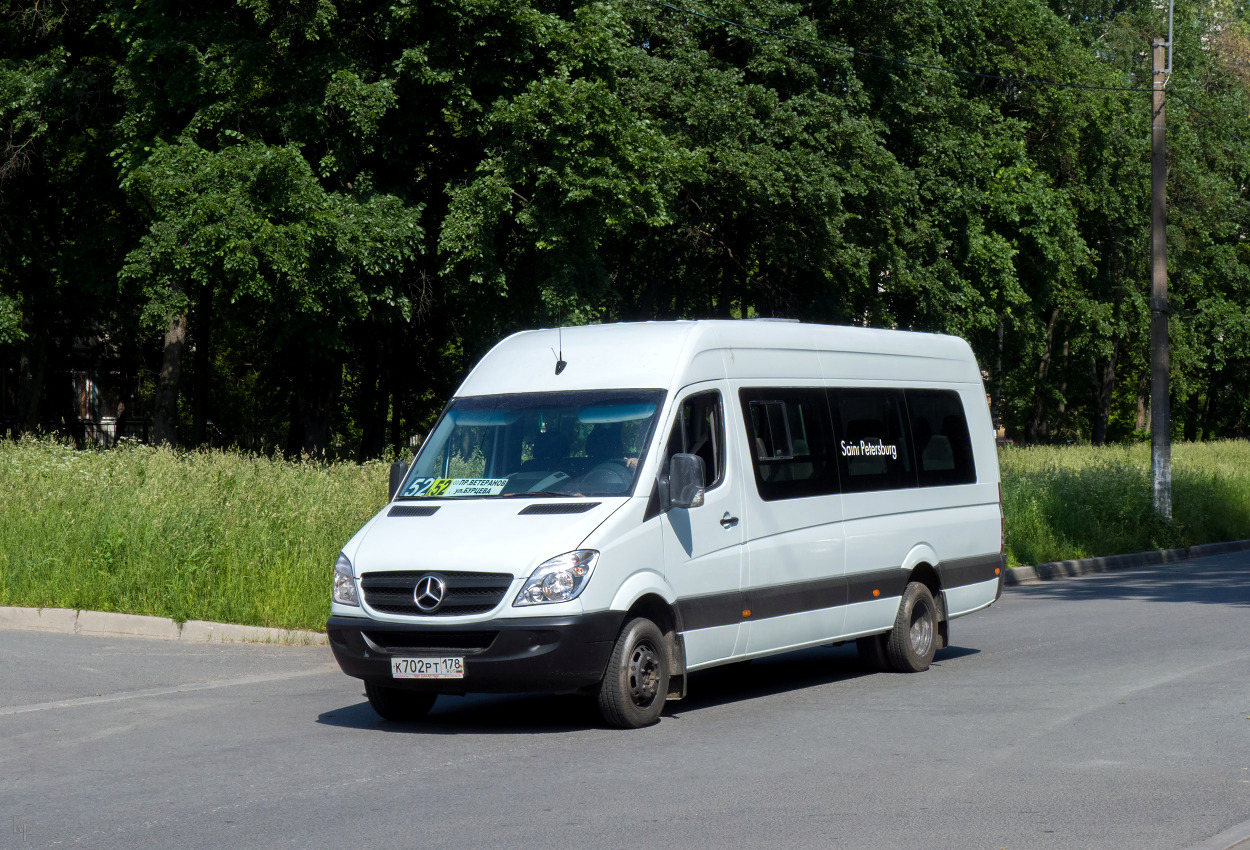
<point>203,535</point>
<point>235,538</point>
<point>1080,501</point>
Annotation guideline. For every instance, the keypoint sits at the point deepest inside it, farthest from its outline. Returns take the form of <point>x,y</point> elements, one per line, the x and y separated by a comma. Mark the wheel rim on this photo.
<point>921,632</point>
<point>644,674</point>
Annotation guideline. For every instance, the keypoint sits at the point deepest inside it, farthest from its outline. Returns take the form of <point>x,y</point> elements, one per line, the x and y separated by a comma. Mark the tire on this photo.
<point>635,684</point>
<point>398,704</point>
<point>914,639</point>
<point>872,652</point>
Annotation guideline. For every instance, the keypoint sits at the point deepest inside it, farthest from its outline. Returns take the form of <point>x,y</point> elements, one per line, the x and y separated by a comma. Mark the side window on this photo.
<point>771,426</point>
<point>873,451</point>
<point>791,439</point>
<point>699,429</point>
<point>940,435</point>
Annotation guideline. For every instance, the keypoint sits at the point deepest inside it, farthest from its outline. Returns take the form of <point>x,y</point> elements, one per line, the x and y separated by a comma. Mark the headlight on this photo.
<point>560,579</point>
<point>344,582</point>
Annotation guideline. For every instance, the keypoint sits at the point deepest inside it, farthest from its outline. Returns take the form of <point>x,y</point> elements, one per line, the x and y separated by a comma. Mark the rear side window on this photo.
<point>939,432</point>
<point>873,450</point>
<point>791,439</point>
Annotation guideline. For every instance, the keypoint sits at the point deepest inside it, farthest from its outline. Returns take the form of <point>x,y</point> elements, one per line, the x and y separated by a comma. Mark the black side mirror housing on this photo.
<point>685,481</point>
<point>398,470</point>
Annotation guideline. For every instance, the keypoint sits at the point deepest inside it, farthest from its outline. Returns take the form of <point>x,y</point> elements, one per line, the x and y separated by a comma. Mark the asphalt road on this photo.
<point>1101,712</point>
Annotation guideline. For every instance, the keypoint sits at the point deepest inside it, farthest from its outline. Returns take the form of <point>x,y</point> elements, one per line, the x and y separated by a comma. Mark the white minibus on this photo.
<point>606,509</point>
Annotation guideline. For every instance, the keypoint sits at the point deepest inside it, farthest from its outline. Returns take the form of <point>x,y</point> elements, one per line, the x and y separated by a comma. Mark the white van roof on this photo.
<point>670,355</point>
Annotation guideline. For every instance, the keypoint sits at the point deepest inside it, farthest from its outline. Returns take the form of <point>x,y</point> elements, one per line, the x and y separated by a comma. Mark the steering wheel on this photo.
<point>612,475</point>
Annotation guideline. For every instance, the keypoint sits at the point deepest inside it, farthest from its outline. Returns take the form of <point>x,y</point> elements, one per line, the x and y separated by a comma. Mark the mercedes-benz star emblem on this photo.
<point>429,593</point>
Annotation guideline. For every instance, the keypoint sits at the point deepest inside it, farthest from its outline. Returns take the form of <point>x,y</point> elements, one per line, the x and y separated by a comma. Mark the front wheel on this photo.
<point>635,685</point>
<point>398,704</point>
<point>914,638</point>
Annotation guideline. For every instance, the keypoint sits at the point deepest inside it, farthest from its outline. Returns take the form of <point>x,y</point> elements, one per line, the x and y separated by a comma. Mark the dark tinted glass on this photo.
<point>873,451</point>
<point>586,443</point>
<point>791,439</point>
<point>940,436</point>
<point>700,430</point>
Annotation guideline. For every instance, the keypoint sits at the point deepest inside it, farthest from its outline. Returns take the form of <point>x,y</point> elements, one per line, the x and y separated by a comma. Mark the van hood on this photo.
<point>478,535</point>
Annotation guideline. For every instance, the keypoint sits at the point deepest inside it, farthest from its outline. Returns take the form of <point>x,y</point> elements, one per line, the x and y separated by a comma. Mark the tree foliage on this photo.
<point>296,223</point>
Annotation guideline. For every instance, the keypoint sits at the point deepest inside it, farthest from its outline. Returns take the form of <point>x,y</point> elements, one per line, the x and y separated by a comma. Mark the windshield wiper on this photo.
<point>554,493</point>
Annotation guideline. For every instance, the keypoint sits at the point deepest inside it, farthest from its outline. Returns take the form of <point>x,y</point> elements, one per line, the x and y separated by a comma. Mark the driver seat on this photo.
<point>604,444</point>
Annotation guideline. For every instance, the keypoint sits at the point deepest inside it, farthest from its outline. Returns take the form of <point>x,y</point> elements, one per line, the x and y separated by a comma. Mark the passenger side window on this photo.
<point>700,430</point>
<point>771,424</point>
<point>791,439</point>
<point>940,435</point>
<point>873,451</point>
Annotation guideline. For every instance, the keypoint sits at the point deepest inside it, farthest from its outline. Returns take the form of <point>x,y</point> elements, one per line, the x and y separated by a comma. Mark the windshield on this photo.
<point>586,443</point>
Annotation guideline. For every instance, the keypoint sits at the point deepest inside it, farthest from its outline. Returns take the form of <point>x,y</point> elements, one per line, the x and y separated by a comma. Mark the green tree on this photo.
<point>249,130</point>
<point>63,225</point>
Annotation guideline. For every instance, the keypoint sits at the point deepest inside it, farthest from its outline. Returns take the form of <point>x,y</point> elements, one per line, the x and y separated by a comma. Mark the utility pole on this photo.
<point>1160,408</point>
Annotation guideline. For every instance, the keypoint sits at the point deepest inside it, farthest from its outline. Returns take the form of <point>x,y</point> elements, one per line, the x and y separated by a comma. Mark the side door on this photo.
<point>881,503</point>
<point>703,559</point>
<point>796,584</point>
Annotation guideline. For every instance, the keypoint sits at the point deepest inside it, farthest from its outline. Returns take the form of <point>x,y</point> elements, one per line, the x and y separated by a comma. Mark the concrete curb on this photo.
<point>1235,838</point>
<point>107,624</point>
<point>1089,566</point>
<point>226,633</point>
<point>38,619</point>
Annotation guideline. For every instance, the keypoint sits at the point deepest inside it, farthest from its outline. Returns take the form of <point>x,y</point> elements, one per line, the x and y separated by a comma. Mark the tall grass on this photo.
<point>1081,501</point>
<point>237,538</point>
<point>207,535</point>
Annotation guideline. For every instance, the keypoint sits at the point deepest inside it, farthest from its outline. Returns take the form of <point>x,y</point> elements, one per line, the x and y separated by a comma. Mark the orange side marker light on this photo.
<point>876,593</point>
<point>747,612</point>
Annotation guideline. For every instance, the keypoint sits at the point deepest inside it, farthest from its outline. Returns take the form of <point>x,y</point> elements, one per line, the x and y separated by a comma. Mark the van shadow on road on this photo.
<point>480,714</point>
<point>793,671</point>
<point>510,714</point>
<point>1215,580</point>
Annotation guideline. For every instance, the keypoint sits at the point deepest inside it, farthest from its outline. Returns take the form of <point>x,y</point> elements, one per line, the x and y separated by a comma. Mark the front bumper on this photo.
<point>546,654</point>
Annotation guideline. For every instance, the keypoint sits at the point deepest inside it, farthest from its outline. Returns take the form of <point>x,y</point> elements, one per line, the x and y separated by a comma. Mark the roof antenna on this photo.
<point>560,364</point>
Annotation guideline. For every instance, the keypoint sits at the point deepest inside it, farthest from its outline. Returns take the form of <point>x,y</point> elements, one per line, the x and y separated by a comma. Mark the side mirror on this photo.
<point>398,470</point>
<point>685,481</point>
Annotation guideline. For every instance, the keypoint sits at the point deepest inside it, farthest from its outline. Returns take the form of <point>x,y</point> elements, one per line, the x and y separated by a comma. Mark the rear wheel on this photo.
<point>635,685</point>
<point>914,639</point>
<point>398,704</point>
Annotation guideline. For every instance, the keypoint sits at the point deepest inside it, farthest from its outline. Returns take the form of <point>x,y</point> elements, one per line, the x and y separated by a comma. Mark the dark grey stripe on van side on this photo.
<point>726,609</point>
<point>782,599</point>
<point>860,586</point>
<point>974,570</point>
<point>715,609</point>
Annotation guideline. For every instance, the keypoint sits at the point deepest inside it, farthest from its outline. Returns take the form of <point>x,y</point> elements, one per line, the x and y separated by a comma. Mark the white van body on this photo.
<point>839,484</point>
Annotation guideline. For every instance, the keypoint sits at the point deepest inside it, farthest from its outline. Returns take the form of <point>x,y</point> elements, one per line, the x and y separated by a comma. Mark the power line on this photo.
<point>865,54</point>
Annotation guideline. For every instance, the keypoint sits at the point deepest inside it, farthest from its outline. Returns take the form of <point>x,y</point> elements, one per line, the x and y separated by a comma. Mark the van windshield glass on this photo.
<point>584,443</point>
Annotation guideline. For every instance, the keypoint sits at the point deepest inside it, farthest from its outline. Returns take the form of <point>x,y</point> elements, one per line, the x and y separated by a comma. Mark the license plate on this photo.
<point>427,668</point>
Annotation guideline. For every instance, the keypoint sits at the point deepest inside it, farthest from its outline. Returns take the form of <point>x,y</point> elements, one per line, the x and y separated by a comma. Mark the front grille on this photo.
<point>467,593</point>
<point>466,642</point>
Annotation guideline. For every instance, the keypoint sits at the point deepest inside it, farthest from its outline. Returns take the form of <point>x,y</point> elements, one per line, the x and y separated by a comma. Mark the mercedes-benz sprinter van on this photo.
<point>605,509</point>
